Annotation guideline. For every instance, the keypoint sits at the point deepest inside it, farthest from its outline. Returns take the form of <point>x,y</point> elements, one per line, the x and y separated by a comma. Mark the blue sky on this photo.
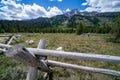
<point>63,5</point>
<point>30,9</point>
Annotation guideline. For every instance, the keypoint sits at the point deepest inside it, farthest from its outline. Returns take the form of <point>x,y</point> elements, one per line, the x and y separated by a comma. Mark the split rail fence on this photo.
<point>36,59</point>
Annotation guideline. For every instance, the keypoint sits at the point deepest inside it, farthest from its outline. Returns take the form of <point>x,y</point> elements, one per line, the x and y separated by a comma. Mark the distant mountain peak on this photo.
<point>85,13</point>
<point>72,12</point>
<point>75,11</point>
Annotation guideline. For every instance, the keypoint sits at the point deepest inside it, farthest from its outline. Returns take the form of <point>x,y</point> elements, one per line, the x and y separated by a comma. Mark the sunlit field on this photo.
<point>95,43</point>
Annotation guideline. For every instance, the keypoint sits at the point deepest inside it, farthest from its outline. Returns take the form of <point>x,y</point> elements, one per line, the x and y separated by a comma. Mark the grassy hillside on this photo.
<point>95,43</point>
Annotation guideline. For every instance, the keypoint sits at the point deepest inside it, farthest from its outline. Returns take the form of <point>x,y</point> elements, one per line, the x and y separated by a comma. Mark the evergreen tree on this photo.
<point>79,29</point>
<point>116,28</point>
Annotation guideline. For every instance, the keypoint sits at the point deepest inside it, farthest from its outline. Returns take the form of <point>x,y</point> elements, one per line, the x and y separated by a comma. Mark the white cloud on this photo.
<point>53,11</point>
<point>102,5</point>
<point>84,4</point>
<point>68,10</point>
<point>12,10</point>
<point>116,4</point>
<point>60,0</point>
<point>51,0</point>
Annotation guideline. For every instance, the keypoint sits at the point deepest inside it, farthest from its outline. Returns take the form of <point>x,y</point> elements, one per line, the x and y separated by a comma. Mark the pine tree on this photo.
<point>116,28</point>
<point>79,29</point>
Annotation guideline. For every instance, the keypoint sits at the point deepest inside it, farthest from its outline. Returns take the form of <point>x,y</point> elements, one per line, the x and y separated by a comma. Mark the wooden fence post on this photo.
<point>41,45</point>
<point>32,72</point>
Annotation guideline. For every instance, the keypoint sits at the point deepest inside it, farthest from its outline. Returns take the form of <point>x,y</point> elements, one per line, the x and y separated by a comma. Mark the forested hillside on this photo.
<point>65,23</point>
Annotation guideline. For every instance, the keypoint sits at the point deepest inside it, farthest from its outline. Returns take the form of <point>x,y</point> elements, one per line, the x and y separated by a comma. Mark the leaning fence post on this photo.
<point>32,72</point>
<point>9,40</point>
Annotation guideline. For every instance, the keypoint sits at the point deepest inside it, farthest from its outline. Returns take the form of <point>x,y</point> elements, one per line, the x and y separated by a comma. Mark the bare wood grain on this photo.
<point>77,67</point>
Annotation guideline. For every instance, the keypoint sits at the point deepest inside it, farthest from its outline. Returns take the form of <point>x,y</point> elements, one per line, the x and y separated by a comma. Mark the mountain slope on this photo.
<point>70,19</point>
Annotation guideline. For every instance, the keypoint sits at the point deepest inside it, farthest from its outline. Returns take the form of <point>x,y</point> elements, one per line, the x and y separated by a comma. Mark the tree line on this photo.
<point>21,26</point>
<point>115,29</point>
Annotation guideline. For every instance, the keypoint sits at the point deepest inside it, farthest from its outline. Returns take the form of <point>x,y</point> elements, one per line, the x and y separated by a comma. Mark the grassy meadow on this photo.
<point>95,43</point>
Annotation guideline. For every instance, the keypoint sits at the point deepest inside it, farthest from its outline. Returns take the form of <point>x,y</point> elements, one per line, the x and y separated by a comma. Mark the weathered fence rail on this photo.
<point>77,67</point>
<point>69,55</point>
<point>37,58</point>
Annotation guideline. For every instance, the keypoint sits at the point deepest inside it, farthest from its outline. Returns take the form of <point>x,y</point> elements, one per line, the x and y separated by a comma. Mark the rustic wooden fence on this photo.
<point>36,59</point>
<point>9,39</point>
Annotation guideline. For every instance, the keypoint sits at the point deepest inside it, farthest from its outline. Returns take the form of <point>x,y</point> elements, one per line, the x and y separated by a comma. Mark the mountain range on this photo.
<point>69,19</point>
<point>72,18</point>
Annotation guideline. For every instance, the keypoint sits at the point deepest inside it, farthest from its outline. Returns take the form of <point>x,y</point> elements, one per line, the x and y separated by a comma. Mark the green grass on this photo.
<point>96,43</point>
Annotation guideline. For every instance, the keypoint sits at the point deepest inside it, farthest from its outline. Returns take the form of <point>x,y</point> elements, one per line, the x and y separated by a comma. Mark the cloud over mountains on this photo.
<point>102,5</point>
<point>16,10</point>
<point>10,10</point>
